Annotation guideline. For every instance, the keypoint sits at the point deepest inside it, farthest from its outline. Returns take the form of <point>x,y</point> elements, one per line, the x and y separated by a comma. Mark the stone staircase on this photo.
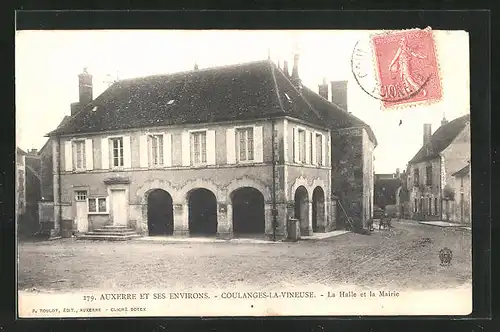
<point>110,233</point>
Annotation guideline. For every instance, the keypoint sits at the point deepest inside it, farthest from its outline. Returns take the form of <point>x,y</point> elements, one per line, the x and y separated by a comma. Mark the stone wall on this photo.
<point>347,175</point>
<point>46,172</point>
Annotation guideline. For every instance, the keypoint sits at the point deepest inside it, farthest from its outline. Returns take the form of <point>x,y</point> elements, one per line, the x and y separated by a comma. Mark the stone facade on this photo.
<point>352,175</point>
<point>179,180</point>
<point>435,199</point>
<point>462,212</point>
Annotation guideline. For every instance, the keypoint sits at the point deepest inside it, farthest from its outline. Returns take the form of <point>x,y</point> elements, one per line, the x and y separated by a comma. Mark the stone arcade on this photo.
<point>230,151</point>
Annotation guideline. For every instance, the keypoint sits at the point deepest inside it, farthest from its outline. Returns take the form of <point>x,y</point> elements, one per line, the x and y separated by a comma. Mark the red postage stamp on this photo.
<point>407,67</point>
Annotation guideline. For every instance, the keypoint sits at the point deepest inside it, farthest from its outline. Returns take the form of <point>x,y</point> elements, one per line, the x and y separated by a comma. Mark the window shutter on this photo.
<point>105,153</point>
<point>314,152</point>
<point>295,145</point>
<point>68,156</point>
<point>230,146</point>
<point>126,152</point>
<point>186,151</point>
<point>89,154</point>
<point>323,153</point>
<point>167,150</point>
<point>308,147</point>
<point>211,147</point>
<point>143,151</point>
<point>258,144</point>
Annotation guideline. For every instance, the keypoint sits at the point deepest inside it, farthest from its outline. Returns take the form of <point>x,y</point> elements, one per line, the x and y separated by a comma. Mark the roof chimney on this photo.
<point>323,89</point>
<point>85,87</point>
<point>339,93</point>
<point>295,69</point>
<point>285,68</point>
<point>444,121</point>
<point>195,66</point>
<point>427,133</point>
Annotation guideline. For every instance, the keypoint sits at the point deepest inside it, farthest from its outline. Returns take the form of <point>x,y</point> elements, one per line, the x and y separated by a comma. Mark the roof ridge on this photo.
<point>183,72</point>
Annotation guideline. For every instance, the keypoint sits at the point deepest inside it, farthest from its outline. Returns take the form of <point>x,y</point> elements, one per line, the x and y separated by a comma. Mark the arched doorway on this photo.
<point>160,213</point>
<point>248,211</point>
<point>202,212</point>
<point>318,209</point>
<point>302,209</point>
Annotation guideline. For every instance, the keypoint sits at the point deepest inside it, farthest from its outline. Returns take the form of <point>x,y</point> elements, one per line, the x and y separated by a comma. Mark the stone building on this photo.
<point>227,151</point>
<point>461,211</point>
<point>27,191</point>
<point>430,171</point>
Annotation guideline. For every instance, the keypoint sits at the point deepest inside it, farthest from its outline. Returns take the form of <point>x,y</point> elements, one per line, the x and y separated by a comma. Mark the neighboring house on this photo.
<point>462,207</point>
<point>20,182</point>
<point>28,191</point>
<point>226,151</point>
<point>430,171</point>
<point>46,167</point>
<point>387,189</point>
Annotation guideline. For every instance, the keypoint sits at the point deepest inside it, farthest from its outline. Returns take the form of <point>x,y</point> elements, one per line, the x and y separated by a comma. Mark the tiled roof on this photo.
<point>334,115</point>
<point>463,171</point>
<point>237,92</point>
<point>441,139</point>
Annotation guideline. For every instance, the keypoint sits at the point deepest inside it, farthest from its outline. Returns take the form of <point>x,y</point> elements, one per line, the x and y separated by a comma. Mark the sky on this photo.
<point>48,62</point>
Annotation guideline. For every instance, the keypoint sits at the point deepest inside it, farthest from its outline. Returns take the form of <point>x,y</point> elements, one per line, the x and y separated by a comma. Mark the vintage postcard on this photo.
<point>243,173</point>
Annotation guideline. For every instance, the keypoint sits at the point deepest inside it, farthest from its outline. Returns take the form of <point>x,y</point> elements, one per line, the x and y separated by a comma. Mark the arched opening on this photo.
<point>302,209</point>
<point>202,212</point>
<point>160,213</point>
<point>318,209</point>
<point>248,212</point>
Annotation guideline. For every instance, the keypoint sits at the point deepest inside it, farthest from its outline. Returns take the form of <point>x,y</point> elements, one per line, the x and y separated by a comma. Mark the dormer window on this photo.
<point>288,97</point>
<point>170,102</point>
<point>94,109</point>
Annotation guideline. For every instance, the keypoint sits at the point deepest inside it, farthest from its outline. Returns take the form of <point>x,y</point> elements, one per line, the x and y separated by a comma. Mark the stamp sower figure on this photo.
<point>401,63</point>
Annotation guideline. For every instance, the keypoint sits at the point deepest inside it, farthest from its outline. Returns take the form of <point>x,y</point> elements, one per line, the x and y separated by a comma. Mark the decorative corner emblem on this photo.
<point>445,256</point>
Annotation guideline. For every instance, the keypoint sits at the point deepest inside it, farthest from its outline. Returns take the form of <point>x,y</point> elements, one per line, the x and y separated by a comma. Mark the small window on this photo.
<point>319,149</point>
<point>156,150</point>
<point>97,205</point>
<point>79,155</point>
<point>428,175</point>
<point>302,145</point>
<point>435,206</point>
<point>81,195</point>
<point>244,143</point>
<point>416,179</point>
<point>117,152</point>
<point>199,147</point>
<point>94,109</point>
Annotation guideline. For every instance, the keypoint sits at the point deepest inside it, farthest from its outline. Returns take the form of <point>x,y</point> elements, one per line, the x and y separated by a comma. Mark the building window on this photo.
<point>81,195</point>
<point>244,143</point>
<point>199,147</point>
<point>435,206</point>
<point>311,140</point>
<point>416,178</point>
<point>117,151</point>
<point>79,155</point>
<point>319,149</point>
<point>428,175</point>
<point>302,145</point>
<point>429,205</point>
<point>97,205</point>
<point>156,147</point>
<point>461,182</point>
<point>415,209</point>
